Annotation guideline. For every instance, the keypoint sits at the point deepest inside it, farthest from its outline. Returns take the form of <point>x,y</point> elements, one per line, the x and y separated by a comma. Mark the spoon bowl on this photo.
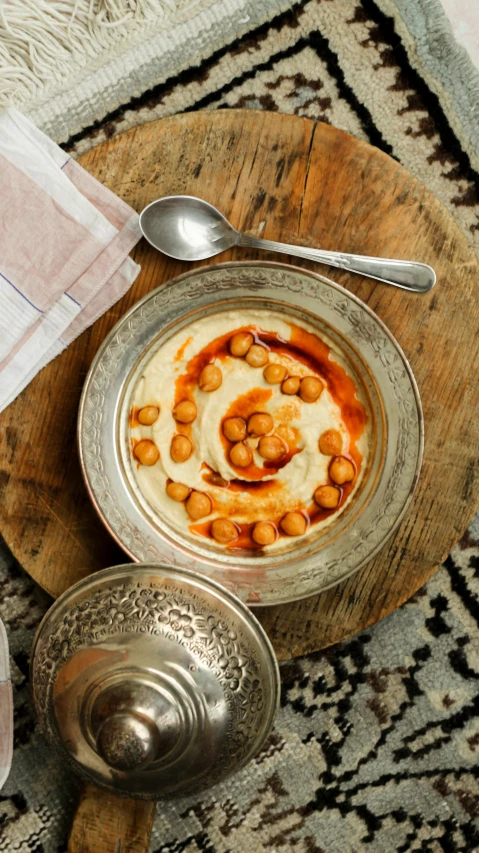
<point>187,228</point>
<point>190,229</point>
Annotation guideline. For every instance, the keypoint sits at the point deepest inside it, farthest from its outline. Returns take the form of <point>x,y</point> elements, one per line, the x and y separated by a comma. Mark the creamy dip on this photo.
<point>263,491</point>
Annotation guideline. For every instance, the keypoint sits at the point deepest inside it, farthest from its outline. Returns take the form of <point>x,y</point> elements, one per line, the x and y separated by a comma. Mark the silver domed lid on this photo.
<point>153,680</point>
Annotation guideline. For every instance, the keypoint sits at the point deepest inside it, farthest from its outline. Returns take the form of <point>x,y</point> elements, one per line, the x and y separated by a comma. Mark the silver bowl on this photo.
<point>153,681</point>
<point>302,567</point>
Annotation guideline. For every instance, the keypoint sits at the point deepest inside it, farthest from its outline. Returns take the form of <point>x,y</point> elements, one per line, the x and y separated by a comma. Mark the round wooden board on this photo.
<point>288,179</point>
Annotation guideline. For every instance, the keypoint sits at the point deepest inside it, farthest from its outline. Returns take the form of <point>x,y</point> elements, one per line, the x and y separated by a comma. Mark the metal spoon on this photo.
<point>190,229</point>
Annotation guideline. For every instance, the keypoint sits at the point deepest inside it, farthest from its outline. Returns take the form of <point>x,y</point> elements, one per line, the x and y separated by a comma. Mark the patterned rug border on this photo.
<point>422,24</point>
<point>433,50</point>
<point>124,70</point>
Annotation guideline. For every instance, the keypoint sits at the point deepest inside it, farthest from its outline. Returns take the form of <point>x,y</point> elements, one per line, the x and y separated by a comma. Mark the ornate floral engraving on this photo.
<point>221,647</point>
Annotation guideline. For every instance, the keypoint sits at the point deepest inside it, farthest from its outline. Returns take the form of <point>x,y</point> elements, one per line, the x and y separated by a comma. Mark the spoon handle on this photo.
<point>409,275</point>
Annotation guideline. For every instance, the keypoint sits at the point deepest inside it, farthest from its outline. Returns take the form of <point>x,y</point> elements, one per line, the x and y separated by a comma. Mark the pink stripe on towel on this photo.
<point>65,241</point>
<point>42,248</point>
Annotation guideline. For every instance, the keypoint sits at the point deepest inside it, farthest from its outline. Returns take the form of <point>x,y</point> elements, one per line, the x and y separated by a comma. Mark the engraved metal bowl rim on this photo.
<point>202,596</point>
<point>274,593</point>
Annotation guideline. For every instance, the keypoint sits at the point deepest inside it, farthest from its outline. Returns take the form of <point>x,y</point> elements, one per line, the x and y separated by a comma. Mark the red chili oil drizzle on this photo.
<point>243,407</point>
<point>315,354</point>
<point>306,348</point>
<point>216,350</point>
<point>134,422</point>
<point>134,442</point>
<point>311,351</point>
<point>237,485</point>
<point>313,515</point>
<point>179,355</point>
<point>245,542</point>
<point>272,467</point>
<point>185,385</point>
<point>184,429</point>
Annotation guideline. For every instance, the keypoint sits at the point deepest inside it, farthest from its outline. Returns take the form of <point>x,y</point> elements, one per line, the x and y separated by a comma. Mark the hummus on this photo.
<point>264,490</point>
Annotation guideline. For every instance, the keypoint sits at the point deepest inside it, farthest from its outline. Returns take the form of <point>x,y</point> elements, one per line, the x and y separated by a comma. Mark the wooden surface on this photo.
<point>283,178</point>
<point>107,824</point>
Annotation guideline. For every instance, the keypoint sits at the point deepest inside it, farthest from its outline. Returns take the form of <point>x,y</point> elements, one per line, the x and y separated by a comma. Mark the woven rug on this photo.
<point>376,745</point>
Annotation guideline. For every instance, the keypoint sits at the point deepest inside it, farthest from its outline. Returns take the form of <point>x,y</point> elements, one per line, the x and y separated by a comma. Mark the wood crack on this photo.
<point>308,166</point>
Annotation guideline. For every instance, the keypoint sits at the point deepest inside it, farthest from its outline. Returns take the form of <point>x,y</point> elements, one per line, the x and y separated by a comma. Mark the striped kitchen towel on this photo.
<point>64,246</point>
<point>6,712</point>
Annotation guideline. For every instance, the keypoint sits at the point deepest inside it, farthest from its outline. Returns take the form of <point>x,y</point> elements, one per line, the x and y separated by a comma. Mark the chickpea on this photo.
<point>185,412</point>
<point>341,470</point>
<point>181,448</point>
<point>327,497</point>
<point>257,356</point>
<point>148,415</point>
<point>177,491</point>
<point>241,455</point>
<point>234,429</point>
<point>310,389</point>
<point>198,505</point>
<point>274,373</point>
<point>293,524</point>
<point>224,531</point>
<point>240,343</point>
<point>264,533</point>
<point>271,447</point>
<point>146,452</point>
<point>291,385</point>
<point>260,423</point>
<point>210,378</point>
<point>331,442</point>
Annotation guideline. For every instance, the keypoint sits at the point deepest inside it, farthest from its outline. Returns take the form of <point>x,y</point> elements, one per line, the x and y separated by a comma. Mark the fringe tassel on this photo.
<point>41,41</point>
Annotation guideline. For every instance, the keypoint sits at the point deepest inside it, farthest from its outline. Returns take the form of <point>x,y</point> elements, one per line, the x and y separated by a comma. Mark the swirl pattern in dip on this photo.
<point>265,489</point>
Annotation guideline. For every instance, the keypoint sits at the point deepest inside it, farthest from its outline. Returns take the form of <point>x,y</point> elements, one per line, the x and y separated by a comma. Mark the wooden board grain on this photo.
<point>107,824</point>
<point>287,179</point>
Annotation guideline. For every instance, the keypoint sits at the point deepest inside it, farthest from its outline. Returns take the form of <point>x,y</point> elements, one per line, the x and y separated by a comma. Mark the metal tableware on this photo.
<point>306,565</point>
<point>190,229</point>
<point>153,681</point>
